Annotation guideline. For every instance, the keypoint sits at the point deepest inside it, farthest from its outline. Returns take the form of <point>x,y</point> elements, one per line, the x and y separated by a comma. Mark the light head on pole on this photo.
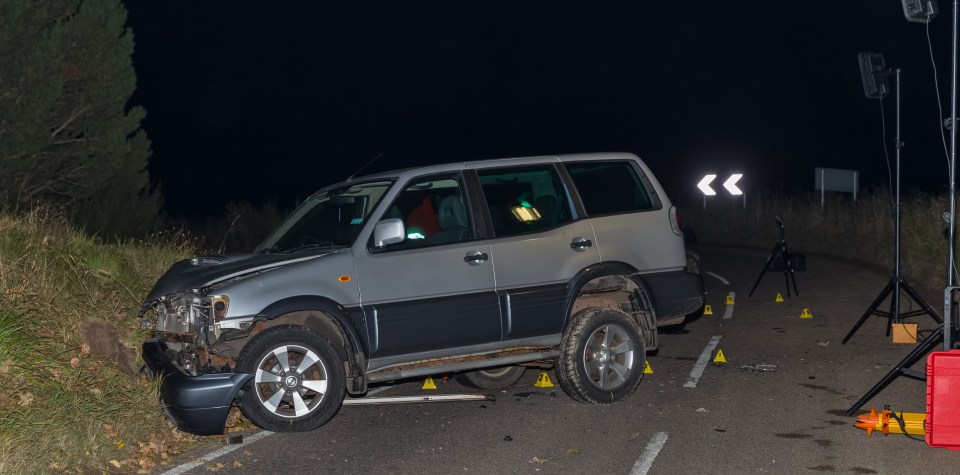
<point>873,72</point>
<point>920,11</point>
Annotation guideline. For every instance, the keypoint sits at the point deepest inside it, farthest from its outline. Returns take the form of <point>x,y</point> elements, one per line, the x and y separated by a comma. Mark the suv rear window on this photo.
<point>609,187</point>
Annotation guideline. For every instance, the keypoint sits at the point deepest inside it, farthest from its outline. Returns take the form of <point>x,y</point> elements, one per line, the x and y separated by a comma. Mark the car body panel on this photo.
<point>207,270</point>
<point>331,276</point>
<point>533,273</point>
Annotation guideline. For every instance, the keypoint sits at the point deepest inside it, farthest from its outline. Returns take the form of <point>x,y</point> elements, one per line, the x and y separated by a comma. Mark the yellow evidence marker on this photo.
<point>543,381</point>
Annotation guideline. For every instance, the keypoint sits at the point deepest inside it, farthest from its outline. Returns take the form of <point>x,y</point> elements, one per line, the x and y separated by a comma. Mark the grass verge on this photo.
<point>71,399</point>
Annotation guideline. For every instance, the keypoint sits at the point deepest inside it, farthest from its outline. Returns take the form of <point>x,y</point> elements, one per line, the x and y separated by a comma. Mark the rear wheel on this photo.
<point>298,381</point>
<point>602,356</point>
<point>492,378</point>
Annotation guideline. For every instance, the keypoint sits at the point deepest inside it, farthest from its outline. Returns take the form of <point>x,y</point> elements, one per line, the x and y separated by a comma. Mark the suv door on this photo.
<point>435,290</point>
<point>627,215</point>
<point>538,246</point>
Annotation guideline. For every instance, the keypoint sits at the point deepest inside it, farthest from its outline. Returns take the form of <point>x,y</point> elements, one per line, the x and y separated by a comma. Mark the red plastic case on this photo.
<point>942,426</point>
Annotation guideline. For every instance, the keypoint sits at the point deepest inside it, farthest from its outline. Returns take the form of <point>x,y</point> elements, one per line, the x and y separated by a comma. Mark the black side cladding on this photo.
<point>674,293</point>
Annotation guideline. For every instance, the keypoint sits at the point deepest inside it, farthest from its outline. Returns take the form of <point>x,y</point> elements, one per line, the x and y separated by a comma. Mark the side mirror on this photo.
<point>388,231</point>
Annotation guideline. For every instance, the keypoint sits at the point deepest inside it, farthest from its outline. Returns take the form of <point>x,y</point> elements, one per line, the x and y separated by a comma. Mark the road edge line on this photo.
<point>186,467</point>
<point>718,277</point>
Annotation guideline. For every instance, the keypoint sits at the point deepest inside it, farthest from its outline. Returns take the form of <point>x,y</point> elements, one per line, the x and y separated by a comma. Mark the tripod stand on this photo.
<point>903,367</point>
<point>897,282</point>
<point>780,252</point>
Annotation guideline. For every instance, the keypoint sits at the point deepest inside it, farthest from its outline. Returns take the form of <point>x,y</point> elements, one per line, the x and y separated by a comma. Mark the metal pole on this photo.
<point>948,311</point>
<point>823,189</point>
<point>896,289</point>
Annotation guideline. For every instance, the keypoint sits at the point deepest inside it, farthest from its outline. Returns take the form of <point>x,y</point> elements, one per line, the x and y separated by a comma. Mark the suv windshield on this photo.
<point>331,218</point>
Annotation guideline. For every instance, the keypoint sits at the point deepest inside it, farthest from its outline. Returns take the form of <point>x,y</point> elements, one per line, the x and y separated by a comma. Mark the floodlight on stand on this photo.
<point>873,73</point>
<point>920,11</point>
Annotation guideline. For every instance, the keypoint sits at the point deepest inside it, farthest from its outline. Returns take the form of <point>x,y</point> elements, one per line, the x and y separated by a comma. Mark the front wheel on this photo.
<point>298,380</point>
<point>602,356</point>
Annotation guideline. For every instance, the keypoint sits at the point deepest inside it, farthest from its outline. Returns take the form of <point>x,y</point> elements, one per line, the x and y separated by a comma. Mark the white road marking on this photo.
<point>643,464</point>
<point>717,276</point>
<point>702,363</point>
<point>728,313</point>
<point>216,454</point>
<point>367,401</point>
<point>184,468</point>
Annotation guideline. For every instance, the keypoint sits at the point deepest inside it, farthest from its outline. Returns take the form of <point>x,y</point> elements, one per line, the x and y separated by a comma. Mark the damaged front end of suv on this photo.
<point>206,313</point>
<point>185,313</point>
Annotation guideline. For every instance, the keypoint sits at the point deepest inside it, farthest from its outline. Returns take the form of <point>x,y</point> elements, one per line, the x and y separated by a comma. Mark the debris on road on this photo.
<point>758,368</point>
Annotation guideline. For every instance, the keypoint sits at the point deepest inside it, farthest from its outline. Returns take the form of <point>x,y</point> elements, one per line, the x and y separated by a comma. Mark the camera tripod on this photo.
<point>780,252</point>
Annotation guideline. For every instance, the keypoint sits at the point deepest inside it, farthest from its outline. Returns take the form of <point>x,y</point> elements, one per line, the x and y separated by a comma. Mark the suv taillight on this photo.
<point>675,222</point>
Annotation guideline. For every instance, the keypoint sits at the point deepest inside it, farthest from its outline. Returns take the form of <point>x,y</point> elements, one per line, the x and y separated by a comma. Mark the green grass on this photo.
<point>69,404</point>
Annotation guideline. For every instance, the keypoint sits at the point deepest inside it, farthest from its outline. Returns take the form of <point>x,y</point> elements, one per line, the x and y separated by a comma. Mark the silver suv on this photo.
<point>479,268</point>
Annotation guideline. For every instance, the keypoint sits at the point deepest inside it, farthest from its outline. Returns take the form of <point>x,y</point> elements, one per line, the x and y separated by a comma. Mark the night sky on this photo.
<point>250,101</point>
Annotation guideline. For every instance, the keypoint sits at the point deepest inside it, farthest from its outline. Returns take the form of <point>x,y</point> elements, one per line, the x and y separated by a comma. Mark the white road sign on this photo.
<point>731,184</point>
<point>704,185</point>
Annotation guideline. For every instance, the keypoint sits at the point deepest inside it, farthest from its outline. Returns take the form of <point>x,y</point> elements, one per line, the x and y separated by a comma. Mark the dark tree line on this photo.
<point>68,136</point>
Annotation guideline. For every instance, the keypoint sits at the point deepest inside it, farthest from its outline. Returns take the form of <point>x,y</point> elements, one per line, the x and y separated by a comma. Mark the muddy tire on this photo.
<point>298,381</point>
<point>492,378</point>
<point>602,356</point>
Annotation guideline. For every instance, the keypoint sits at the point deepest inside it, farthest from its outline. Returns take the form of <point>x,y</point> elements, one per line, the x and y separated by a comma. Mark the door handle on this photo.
<point>476,258</point>
<point>580,244</point>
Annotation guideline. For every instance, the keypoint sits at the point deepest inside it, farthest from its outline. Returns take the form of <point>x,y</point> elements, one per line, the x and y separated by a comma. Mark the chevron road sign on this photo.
<point>730,184</point>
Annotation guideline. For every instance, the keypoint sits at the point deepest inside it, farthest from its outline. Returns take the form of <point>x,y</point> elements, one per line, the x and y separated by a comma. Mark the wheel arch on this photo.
<point>326,317</point>
<point>615,285</point>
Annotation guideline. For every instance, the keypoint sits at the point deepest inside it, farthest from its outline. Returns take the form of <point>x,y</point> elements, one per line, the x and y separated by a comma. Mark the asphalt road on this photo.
<point>777,405</point>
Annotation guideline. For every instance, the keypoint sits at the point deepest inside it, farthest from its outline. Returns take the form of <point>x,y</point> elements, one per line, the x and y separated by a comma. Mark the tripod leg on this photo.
<point>894,314</point>
<point>870,311</point>
<point>916,298</point>
<point>793,278</point>
<point>764,270</point>
<point>923,348</point>
<point>785,259</point>
<point>788,274</point>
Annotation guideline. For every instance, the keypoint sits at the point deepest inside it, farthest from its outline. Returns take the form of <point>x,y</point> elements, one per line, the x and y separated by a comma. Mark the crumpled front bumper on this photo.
<point>197,404</point>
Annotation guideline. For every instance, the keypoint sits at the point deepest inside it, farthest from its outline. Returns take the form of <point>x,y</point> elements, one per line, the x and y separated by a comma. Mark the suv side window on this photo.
<point>434,211</point>
<point>610,187</point>
<point>524,199</point>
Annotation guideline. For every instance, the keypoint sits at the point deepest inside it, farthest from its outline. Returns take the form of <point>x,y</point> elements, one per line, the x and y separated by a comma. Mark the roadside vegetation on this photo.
<point>861,231</point>
<point>72,399</point>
